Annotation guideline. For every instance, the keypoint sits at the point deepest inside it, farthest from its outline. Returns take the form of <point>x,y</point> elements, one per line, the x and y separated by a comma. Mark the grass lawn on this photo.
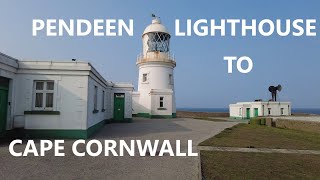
<point>238,165</point>
<point>256,136</point>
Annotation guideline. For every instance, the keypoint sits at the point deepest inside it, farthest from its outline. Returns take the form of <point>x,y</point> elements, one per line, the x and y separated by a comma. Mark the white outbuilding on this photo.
<point>155,97</point>
<point>60,99</point>
<point>247,110</point>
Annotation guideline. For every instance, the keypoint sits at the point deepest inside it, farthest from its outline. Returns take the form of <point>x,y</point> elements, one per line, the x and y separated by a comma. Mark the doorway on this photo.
<point>118,110</point>
<point>248,113</point>
<point>4,87</point>
<point>256,112</point>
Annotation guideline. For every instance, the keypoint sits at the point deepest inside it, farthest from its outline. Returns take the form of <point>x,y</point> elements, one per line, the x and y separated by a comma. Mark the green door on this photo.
<point>248,113</point>
<point>118,111</point>
<point>3,109</point>
<point>256,112</point>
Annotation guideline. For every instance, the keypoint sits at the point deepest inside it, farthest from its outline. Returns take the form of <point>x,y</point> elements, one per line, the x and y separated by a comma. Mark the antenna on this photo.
<point>273,90</point>
<point>155,18</point>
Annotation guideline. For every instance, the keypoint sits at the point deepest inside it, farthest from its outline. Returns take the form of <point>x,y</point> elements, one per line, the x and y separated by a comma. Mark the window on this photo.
<point>43,94</point>
<point>240,111</point>
<point>269,111</point>
<point>170,79</point>
<point>282,111</point>
<point>161,102</point>
<point>144,77</point>
<point>95,98</point>
<point>102,105</point>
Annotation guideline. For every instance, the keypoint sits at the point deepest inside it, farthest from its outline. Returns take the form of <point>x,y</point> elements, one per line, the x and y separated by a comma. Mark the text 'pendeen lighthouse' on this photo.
<point>155,96</point>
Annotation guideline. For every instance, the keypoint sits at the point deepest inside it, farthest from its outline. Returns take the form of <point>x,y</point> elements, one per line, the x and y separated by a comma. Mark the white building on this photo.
<point>155,97</point>
<point>67,99</point>
<point>247,110</point>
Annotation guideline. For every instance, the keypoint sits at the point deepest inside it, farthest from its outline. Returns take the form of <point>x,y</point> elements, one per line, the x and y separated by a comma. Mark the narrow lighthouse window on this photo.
<point>161,102</point>
<point>170,79</point>
<point>144,77</point>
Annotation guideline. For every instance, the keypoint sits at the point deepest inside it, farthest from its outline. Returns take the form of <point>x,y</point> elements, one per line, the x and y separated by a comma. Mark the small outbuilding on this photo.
<point>247,110</point>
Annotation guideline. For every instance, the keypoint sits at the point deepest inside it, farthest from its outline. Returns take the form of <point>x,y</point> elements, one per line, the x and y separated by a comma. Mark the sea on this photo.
<point>293,110</point>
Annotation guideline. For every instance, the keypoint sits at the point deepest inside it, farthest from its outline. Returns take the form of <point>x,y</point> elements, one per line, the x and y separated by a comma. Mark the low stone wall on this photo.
<point>302,125</point>
<point>310,126</point>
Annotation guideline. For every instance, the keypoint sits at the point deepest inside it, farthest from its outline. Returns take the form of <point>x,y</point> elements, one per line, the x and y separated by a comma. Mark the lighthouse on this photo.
<point>155,97</point>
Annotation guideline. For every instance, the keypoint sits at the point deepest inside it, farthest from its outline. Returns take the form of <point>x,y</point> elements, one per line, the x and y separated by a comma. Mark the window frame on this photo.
<point>44,91</point>
<point>161,102</point>
<point>171,79</point>
<point>147,77</point>
<point>103,101</point>
<point>95,98</point>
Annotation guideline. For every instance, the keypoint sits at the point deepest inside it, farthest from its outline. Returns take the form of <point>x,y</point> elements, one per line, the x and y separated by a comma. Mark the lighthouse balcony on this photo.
<point>156,57</point>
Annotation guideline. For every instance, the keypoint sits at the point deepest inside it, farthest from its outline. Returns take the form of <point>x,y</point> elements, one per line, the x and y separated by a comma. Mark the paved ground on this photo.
<point>72,167</point>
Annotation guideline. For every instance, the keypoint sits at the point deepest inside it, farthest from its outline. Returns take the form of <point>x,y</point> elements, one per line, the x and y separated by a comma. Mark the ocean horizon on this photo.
<point>294,110</point>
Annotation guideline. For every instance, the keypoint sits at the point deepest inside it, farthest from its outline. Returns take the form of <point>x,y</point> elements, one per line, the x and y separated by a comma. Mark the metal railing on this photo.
<point>156,56</point>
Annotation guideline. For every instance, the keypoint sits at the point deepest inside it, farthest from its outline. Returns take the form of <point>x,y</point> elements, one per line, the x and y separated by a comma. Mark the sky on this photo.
<point>201,78</point>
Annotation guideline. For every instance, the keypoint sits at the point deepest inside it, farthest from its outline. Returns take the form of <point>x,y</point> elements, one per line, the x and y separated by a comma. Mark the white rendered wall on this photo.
<point>94,118</point>
<point>238,110</point>
<point>158,78</point>
<point>70,99</point>
<point>136,105</point>
<point>234,110</point>
<point>276,108</point>
<point>155,105</point>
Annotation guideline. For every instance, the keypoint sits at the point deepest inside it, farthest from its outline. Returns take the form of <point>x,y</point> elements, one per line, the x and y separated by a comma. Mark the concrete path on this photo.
<point>259,150</point>
<point>110,167</point>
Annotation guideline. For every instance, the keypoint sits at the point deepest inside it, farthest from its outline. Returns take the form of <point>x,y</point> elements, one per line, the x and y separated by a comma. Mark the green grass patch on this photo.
<point>241,165</point>
<point>257,136</point>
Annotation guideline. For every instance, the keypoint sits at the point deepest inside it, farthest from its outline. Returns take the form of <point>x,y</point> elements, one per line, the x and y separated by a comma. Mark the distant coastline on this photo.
<point>294,110</point>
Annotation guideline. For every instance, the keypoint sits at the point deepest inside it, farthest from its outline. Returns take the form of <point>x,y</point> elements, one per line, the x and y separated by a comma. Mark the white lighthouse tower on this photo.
<point>155,97</point>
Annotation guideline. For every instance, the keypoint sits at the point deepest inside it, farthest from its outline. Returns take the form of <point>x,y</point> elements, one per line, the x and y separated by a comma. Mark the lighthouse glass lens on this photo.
<point>158,41</point>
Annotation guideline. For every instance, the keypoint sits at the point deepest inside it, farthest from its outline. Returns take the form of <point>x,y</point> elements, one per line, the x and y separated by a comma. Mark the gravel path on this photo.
<point>110,167</point>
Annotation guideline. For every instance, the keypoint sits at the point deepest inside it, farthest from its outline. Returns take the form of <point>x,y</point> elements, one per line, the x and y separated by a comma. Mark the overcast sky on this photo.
<point>201,78</point>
